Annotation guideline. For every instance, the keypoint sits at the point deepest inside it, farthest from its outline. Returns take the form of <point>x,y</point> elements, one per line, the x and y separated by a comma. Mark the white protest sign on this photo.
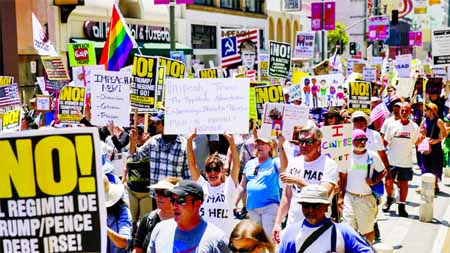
<point>283,118</point>
<point>369,74</point>
<point>440,45</point>
<point>41,82</point>
<point>439,72</point>
<point>295,92</point>
<point>41,42</point>
<point>403,65</point>
<point>294,116</point>
<point>110,94</point>
<point>77,75</point>
<point>405,87</point>
<point>304,45</point>
<point>337,143</point>
<point>211,106</point>
<point>376,60</point>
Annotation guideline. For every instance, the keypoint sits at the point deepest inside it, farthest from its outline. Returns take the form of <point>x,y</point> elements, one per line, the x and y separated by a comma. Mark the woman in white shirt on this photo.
<point>220,190</point>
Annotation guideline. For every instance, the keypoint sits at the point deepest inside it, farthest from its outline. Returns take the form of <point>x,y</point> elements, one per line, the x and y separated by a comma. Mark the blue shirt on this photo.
<point>263,188</point>
<point>121,225</point>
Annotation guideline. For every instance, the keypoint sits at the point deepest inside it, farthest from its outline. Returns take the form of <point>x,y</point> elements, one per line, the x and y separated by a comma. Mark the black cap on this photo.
<point>188,187</point>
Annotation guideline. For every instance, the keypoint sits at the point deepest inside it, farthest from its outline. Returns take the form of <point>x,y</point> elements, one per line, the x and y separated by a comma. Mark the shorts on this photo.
<point>401,174</point>
<point>360,212</point>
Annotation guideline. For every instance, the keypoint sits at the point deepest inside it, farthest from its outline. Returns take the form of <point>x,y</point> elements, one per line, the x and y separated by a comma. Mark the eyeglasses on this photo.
<point>361,139</point>
<point>215,169</point>
<point>308,142</point>
<point>255,172</point>
<point>314,206</point>
<point>160,193</point>
<point>233,249</point>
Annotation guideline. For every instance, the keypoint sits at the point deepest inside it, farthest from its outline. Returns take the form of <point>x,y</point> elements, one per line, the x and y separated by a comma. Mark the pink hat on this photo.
<point>357,133</point>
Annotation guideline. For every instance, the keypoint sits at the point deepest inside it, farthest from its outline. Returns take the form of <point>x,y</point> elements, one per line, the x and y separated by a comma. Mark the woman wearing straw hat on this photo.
<point>118,218</point>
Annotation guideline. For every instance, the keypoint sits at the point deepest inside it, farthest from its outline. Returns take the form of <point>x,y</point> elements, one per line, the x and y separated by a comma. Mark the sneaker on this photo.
<point>387,205</point>
<point>377,232</point>
<point>402,210</point>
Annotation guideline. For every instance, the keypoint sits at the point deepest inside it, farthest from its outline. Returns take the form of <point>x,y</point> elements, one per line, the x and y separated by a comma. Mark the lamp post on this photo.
<point>172,25</point>
<point>323,30</point>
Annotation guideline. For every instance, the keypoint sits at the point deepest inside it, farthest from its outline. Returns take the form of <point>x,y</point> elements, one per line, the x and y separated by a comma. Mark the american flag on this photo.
<point>231,40</point>
<point>379,111</point>
<point>9,95</point>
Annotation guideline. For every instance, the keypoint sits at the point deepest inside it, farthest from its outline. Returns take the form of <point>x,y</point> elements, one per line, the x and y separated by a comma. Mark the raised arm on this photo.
<point>282,153</point>
<point>195,173</point>
<point>236,164</point>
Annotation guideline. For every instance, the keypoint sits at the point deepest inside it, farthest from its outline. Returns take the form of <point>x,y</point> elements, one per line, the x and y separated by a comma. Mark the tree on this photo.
<point>337,36</point>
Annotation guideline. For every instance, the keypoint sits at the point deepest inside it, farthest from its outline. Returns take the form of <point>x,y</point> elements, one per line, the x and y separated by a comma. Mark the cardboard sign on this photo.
<point>81,54</point>
<point>321,68</point>
<point>110,98</point>
<point>6,80</point>
<point>403,65</point>
<point>285,119</point>
<point>337,143</point>
<point>211,106</point>
<point>54,68</point>
<point>268,94</point>
<point>160,91</point>
<point>323,91</point>
<point>208,73</point>
<point>52,187</point>
<point>405,87</point>
<point>263,67</point>
<point>174,68</point>
<point>359,97</point>
<point>279,59</point>
<point>304,45</point>
<point>440,39</point>
<point>43,103</point>
<point>142,91</point>
<point>370,74</point>
<point>71,102</point>
<point>239,47</point>
<point>11,119</point>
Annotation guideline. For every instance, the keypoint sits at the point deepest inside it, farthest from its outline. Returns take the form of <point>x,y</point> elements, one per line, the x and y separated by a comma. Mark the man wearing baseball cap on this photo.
<point>187,231</point>
<point>316,232</point>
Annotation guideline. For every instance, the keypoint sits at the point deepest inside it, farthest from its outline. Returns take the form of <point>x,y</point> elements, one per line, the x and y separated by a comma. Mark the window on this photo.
<point>230,4</point>
<point>203,37</point>
<point>204,2</point>
<point>255,6</point>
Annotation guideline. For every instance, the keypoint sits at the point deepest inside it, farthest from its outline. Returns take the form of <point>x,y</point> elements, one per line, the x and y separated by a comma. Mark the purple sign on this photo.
<point>316,16</point>
<point>330,16</point>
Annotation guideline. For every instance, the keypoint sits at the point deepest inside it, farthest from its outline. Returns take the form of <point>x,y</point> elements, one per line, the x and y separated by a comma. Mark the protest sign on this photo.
<point>142,91</point>
<point>71,102</point>
<point>279,59</point>
<point>284,119</point>
<point>41,82</point>
<point>337,143</point>
<point>323,90</point>
<point>81,54</point>
<point>110,97</point>
<point>350,65</point>
<point>359,97</point>
<point>304,45</point>
<point>174,68</point>
<point>295,92</point>
<point>55,85</point>
<point>358,67</point>
<point>178,55</point>
<point>321,68</point>
<point>370,74</point>
<point>208,73</point>
<point>298,75</point>
<point>52,191</point>
<point>11,120</point>
<point>211,106</point>
<point>403,65</point>
<point>405,87</point>
<point>239,47</point>
<point>440,41</point>
<point>439,72</point>
<point>81,76</point>
<point>9,94</point>
<point>54,68</point>
<point>434,86</point>
<point>267,94</point>
<point>263,67</point>
<point>43,103</point>
<point>252,113</point>
<point>159,95</point>
<point>6,80</point>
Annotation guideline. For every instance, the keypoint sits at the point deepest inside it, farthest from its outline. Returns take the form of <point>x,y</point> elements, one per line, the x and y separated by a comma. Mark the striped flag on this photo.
<point>379,111</point>
<point>231,42</point>
<point>9,95</point>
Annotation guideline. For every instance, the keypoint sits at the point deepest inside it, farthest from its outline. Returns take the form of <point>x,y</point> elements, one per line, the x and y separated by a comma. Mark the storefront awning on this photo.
<point>147,48</point>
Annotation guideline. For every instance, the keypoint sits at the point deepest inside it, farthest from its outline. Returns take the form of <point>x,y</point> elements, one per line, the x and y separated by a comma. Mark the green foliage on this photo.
<point>335,36</point>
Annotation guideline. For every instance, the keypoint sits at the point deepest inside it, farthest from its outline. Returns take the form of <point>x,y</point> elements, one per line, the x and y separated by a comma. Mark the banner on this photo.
<point>316,16</point>
<point>403,65</point>
<point>52,197</point>
<point>71,102</point>
<point>337,143</point>
<point>110,98</point>
<point>54,68</point>
<point>11,120</point>
<point>440,40</point>
<point>41,42</point>
<point>279,59</point>
<point>81,54</point>
<point>209,73</point>
<point>174,68</point>
<point>239,47</point>
<point>369,74</point>
<point>9,94</point>
<point>142,90</point>
<point>304,45</point>
<point>285,119</point>
<point>378,28</point>
<point>263,67</point>
<point>212,106</point>
<point>323,91</point>
<point>160,90</point>
<point>267,94</point>
<point>6,80</point>
<point>359,97</point>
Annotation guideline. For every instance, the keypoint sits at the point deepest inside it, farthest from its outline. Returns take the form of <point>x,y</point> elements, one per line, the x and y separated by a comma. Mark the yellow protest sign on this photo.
<point>297,76</point>
<point>11,120</point>
<point>6,80</point>
<point>208,73</point>
<point>359,97</point>
<point>253,114</point>
<point>142,90</point>
<point>52,188</point>
<point>174,68</point>
<point>267,94</point>
<point>71,103</point>
<point>160,88</point>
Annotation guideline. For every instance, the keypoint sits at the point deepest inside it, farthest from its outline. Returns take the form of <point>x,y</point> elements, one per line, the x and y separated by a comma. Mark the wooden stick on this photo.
<point>146,122</point>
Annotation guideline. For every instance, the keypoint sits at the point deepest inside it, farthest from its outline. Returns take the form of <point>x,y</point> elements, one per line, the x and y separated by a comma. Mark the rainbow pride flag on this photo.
<point>118,44</point>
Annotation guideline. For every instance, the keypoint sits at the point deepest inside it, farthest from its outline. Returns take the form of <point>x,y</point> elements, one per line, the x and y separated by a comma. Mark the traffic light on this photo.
<point>352,48</point>
<point>394,20</point>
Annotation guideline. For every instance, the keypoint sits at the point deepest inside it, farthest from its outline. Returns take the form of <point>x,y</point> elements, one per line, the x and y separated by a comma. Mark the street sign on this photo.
<point>440,42</point>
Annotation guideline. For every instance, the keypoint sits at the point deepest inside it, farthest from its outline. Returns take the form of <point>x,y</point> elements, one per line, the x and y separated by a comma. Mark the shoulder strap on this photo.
<point>369,163</point>
<point>333,238</point>
<point>316,234</point>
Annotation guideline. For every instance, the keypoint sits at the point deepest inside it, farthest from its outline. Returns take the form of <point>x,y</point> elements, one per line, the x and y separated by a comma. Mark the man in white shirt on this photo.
<point>401,136</point>
<point>360,207</point>
<point>311,167</point>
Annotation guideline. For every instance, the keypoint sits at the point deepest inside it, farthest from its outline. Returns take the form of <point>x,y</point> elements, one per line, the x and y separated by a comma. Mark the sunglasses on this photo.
<point>160,193</point>
<point>215,169</point>
<point>233,249</point>
<point>314,206</point>
<point>181,201</point>
<point>361,140</point>
<point>308,142</point>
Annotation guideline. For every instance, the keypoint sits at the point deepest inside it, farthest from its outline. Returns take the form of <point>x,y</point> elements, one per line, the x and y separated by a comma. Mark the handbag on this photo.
<point>428,151</point>
<point>378,188</point>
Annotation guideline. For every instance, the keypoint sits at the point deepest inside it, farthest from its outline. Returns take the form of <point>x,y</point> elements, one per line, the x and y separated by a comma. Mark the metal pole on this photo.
<point>323,30</point>
<point>172,25</point>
